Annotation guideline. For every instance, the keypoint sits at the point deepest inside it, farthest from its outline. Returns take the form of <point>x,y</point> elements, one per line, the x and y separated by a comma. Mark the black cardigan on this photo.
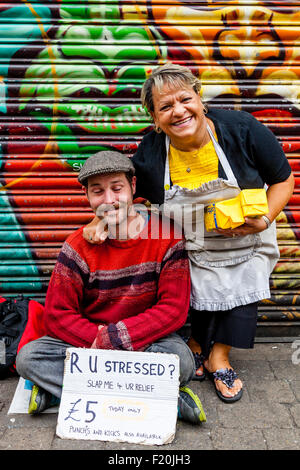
<point>251,148</point>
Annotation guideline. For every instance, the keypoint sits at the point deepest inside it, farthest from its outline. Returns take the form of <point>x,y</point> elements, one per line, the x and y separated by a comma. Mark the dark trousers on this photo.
<point>236,327</point>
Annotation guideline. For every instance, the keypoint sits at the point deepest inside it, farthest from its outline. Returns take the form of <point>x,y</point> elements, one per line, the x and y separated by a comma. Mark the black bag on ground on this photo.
<point>13,319</point>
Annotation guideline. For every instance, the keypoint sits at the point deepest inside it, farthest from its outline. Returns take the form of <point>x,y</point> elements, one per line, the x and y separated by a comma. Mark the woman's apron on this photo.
<point>225,272</point>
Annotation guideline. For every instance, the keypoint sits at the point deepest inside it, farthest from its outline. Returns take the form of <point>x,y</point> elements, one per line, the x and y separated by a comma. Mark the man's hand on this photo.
<point>96,231</point>
<point>251,225</point>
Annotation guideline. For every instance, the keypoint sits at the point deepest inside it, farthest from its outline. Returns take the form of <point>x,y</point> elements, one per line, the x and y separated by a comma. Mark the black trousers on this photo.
<point>236,327</point>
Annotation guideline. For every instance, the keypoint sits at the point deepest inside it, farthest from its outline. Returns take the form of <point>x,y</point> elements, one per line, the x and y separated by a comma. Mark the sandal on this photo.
<point>199,361</point>
<point>227,376</point>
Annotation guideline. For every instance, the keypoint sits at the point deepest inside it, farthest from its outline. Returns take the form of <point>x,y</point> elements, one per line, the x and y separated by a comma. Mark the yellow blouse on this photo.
<point>191,169</point>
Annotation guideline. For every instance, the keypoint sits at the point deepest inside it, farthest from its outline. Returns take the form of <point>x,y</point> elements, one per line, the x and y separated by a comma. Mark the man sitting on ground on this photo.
<point>129,293</point>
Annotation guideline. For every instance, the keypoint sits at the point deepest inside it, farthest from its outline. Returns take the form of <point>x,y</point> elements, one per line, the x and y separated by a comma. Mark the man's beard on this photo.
<point>117,220</point>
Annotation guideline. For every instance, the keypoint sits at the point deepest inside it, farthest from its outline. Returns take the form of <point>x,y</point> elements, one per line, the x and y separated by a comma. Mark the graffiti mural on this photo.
<point>97,81</point>
<point>71,75</point>
<point>238,51</point>
<point>33,23</point>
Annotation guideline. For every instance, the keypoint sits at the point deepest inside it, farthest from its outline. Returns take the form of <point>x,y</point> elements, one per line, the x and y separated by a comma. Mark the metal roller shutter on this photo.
<point>70,80</point>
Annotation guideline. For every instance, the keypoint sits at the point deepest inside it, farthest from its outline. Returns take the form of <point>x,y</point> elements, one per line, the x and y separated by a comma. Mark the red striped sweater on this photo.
<point>138,289</point>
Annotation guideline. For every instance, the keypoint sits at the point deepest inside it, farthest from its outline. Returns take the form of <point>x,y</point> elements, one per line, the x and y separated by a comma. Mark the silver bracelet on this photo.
<point>267,220</point>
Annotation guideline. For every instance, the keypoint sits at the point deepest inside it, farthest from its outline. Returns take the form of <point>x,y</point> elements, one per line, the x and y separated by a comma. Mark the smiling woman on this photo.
<point>173,100</point>
<point>200,157</point>
<point>195,157</point>
<point>180,114</point>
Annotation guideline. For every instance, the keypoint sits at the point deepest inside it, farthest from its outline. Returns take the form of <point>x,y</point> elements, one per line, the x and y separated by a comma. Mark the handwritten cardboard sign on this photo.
<point>122,396</point>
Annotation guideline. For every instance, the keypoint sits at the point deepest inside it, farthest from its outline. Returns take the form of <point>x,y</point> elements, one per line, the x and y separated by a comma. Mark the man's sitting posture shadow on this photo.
<point>130,293</point>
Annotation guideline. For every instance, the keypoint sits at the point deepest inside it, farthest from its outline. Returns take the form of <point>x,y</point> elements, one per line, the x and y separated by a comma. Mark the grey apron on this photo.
<point>225,272</point>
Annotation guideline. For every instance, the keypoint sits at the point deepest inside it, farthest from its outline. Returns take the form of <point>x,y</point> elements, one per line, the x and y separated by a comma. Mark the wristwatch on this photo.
<point>267,220</point>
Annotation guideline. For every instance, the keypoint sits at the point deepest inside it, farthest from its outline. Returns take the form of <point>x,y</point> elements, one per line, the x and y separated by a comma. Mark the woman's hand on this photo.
<point>251,225</point>
<point>278,196</point>
<point>96,231</point>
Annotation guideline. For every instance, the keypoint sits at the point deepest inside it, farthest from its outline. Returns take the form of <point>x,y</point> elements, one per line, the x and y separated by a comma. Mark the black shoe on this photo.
<point>40,400</point>
<point>190,407</point>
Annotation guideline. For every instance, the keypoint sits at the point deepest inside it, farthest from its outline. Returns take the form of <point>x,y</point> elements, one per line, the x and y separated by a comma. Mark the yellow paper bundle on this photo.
<point>231,213</point>
<point>224,214</point>
<point>254,202</point>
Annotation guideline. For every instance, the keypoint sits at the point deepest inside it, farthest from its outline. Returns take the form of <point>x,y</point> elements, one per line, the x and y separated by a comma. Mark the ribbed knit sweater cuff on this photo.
<point>110,337</point>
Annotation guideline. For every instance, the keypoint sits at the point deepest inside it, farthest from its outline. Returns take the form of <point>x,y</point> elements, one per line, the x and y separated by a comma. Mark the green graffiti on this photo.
<point>19,26</point>
<point>93,12</point>
<point>88,83</point>
<point>14,38</point>
<point>98,118</point>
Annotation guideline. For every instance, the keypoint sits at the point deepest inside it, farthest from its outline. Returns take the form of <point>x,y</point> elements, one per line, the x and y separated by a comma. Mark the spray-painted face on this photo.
<point>86,83</point>
<point>239,51</point>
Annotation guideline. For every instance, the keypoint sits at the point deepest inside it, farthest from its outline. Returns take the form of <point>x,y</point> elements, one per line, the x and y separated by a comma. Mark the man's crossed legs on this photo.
<point>42,362</point>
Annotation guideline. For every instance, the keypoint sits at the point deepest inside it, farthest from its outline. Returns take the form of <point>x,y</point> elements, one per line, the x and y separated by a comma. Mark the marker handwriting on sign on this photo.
<point>122,409</point>
<point>103,384</point>
<point>110,385</point>
<point>118,367</point>
<point>120,396</point>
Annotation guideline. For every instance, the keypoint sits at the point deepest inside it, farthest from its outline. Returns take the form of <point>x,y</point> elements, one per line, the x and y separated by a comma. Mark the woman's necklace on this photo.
<point>195,153</point>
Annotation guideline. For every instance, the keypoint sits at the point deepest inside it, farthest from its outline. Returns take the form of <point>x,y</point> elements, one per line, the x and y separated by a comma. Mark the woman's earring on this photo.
<point>205,109</point>
<point>157,129</point>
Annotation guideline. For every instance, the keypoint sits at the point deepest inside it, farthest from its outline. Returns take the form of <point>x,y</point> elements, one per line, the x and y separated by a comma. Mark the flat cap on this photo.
<point>104,162</point>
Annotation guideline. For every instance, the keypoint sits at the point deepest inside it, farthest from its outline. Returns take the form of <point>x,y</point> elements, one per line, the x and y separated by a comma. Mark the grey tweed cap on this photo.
<point>104,162</point>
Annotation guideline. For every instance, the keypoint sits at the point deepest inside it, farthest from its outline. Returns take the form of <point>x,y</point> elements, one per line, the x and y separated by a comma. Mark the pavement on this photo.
<point>266,418</point>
